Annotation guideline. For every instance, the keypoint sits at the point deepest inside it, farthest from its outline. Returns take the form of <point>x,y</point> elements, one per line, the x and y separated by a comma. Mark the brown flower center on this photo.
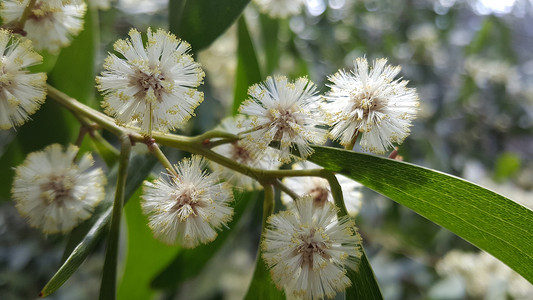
<point>57,189</point>
<point>310,246</point>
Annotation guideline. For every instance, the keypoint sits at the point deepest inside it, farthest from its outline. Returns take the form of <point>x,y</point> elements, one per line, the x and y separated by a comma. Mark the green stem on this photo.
<point>285,189</point>
<point>194,145</point>
<point>109,276</point>
<point>336,192</point>
<point>80,109</point>
<point>156,151</point>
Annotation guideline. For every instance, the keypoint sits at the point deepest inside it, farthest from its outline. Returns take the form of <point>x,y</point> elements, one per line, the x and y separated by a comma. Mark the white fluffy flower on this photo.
<point>369,101</point>
<point>155,86</point>
<point>189,208</point>
<point>54,192</point>
<point>308,249</point>
<point>286,112</point>
<point>21,93</point>
<point>240,154</point>
<point>319,189</point>
<point>280,8</point>
<point>50,25</point>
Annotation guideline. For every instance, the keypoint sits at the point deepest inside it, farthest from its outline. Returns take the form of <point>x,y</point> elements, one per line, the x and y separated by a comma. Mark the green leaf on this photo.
<point>12,157</point>
<point>200,22</point>
<point>73,73</point>
<point>145,256</point>
<point>269,33</point>
<point>78,255</point>
<point>489,221</point>
<point>190,262</point>
<point>83,238</point>
<point>108,286</point>
<point>364,285</point>
<point>248,71</point>
<point>262,286</point>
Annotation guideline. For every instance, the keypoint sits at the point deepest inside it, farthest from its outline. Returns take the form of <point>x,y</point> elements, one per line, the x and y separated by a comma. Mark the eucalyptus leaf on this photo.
<point>488,220</point>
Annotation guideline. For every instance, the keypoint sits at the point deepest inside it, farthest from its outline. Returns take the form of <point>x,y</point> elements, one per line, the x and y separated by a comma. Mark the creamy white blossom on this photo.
<point>50,24</point>
<point>189,208</point>
<point>308,249</point>
<point>319,190</point>
<point>155,86</point>
<point>54,192</point>
<point>280,8</point>
<point>283,111</point>
<point>370,102</point>
<point>21,93</point>
<point>239,153</point>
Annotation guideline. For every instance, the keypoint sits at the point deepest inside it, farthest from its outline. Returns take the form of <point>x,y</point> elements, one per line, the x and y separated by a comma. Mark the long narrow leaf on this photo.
<point>489,221</point>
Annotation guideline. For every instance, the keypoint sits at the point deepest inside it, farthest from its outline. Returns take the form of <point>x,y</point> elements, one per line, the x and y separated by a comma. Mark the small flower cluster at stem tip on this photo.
<point>150,86</point>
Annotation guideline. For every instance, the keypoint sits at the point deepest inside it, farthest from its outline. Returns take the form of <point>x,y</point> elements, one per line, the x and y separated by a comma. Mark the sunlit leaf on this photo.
<point>489,221</point>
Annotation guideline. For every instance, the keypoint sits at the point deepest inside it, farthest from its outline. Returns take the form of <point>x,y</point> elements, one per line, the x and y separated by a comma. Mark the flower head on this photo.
<point>280,8</point>
<point>308,249</point>
<point>318,188</point>
<point>283,111</point>
<point>54,192</point>
<point>51,24</point>
<point>369,101</point>
<point>21,93</point>
<point>155,86</point>
<point>240,154</point>
<point>187,209</point>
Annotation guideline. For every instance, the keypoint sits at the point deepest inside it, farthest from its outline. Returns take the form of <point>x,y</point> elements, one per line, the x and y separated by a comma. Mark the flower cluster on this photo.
<point>307,249</point>
<point>54,192</point>
<point>152,85</point>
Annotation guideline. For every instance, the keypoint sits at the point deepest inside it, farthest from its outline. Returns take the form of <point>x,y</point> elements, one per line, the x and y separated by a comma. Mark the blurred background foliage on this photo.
<point>470,60</point>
